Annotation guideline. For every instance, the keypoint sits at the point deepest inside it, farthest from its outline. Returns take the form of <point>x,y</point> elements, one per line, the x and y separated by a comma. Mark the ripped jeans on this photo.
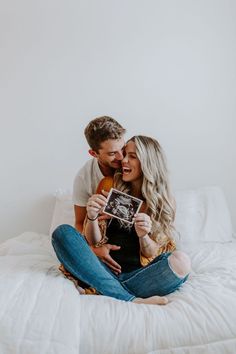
<point>74,253</point>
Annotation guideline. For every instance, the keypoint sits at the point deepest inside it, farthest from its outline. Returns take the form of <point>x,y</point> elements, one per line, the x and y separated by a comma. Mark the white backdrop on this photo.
<point>164,68</point>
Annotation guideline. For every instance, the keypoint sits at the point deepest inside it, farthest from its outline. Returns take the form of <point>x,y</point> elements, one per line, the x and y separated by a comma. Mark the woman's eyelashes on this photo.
<point>129,155</point>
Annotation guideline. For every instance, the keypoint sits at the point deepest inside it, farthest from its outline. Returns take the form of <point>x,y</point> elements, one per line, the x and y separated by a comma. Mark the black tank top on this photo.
<point>128,255</point>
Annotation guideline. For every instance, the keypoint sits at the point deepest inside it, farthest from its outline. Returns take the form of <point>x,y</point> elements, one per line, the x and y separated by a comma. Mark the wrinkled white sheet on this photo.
<point>42,312</point>
<point>39,309</point>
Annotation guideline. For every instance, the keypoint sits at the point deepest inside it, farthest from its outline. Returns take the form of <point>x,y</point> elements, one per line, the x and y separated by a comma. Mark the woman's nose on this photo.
<point>125,159</point>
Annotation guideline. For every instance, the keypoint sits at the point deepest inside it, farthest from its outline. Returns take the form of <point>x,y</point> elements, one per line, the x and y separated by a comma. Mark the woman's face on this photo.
<point>131,167</point>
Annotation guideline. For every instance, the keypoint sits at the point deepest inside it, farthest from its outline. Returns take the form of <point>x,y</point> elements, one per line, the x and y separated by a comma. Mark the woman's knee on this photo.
<point>180,263</point>
<point>62,233</point>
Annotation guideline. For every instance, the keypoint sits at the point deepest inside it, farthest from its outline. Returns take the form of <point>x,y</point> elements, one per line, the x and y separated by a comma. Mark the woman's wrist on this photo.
<point>92,219</point>
<point>144,241</point>
<point>146,236</point>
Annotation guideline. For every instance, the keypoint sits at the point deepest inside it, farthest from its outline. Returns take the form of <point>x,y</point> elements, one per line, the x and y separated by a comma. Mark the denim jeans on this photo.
<point>74,253</point>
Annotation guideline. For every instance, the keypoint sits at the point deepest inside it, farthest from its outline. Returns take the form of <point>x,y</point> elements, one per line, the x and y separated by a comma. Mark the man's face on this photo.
<point>110,153</point>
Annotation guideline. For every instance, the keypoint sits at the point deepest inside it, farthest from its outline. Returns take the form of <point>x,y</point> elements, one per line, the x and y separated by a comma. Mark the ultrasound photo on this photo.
<point>121,205</point>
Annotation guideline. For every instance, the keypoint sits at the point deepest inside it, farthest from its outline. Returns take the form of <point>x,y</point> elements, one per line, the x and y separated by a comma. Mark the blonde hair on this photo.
<point>155,187</point>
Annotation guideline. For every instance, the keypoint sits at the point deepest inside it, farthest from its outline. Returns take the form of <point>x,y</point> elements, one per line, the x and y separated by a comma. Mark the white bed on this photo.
<point>42,312</point>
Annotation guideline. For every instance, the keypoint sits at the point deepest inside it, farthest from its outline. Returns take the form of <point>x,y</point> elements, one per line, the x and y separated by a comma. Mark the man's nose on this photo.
<point>119,155</point>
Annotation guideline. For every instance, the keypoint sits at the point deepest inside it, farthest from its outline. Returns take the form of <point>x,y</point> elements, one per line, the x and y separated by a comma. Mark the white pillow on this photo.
<point>63,210</point>
<point>202,215</point>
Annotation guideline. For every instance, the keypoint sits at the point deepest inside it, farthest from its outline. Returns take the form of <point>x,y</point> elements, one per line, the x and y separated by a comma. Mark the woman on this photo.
<point>150,265</point>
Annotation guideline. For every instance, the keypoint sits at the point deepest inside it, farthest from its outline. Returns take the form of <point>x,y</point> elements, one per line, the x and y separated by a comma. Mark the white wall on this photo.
<point>161,67</point>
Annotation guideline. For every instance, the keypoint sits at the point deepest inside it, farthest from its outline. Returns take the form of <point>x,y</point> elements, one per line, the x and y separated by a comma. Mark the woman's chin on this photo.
<point>125,178</point>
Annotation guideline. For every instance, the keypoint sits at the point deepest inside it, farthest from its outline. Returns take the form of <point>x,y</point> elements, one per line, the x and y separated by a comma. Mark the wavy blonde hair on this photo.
<point>160,205</point>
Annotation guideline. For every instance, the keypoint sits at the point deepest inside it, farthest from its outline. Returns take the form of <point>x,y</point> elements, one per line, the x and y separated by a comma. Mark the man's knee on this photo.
<point>180,263</point>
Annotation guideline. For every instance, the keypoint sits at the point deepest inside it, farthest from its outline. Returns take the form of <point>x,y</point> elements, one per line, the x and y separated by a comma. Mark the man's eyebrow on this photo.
<point>112,152</point>
<point>109,152</point>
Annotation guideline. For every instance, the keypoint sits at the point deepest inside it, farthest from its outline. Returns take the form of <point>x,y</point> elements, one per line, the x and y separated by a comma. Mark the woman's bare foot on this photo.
<point>81,290</point>
<point>153,300</point>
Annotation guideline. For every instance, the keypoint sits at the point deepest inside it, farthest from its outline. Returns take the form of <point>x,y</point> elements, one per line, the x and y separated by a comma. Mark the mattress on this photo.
<point>42,312</point>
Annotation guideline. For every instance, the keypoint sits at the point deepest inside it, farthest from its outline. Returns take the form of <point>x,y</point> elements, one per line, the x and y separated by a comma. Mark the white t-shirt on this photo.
<point>86,182</point>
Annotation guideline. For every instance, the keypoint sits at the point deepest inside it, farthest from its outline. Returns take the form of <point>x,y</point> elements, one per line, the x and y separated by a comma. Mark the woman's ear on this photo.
<point>92,153</point>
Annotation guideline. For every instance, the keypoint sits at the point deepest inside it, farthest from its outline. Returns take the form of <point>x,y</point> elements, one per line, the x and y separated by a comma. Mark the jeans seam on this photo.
<point>138,273</point>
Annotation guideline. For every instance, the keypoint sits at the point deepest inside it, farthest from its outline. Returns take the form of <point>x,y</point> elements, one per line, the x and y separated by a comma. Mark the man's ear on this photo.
<point>93,153</point>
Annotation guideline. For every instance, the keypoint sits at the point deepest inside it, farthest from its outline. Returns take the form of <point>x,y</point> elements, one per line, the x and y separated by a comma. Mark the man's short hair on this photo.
<point>101,129</point>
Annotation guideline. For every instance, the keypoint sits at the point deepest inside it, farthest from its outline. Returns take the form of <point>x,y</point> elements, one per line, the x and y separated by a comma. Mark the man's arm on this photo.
<point>80,214</point>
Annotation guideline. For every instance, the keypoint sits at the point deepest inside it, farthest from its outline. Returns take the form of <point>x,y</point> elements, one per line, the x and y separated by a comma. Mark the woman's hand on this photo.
<point>95,204</point>
<point>104,216</point>
<point>142,224</point>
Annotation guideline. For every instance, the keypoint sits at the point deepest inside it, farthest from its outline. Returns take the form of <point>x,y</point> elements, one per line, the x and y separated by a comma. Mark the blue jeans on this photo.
<point>74,253</point>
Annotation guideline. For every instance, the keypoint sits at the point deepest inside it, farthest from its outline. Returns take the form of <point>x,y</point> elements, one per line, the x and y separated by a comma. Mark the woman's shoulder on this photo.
<point>105,184</point>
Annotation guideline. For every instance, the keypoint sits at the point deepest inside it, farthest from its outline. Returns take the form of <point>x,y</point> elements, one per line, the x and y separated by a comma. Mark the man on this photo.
<point>105,137</point>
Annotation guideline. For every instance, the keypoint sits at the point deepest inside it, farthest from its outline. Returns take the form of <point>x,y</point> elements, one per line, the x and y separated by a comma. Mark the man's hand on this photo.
<point>103,252</point>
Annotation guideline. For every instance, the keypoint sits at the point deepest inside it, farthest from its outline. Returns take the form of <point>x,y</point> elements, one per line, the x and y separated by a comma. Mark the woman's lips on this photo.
<point>126,170</point>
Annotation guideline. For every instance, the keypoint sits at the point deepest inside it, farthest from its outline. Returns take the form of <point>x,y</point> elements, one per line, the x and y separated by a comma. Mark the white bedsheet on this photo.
<point>42,312</point>
<point>39,309</point>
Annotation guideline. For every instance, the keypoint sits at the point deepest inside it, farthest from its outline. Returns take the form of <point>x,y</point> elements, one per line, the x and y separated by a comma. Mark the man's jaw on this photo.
<point>116,164</point>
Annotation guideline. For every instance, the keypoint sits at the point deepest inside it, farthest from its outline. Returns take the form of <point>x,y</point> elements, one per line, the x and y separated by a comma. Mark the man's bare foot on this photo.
<point>153,300</point>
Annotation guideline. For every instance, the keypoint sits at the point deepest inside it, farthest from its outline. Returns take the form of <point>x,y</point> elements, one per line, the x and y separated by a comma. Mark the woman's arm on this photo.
<point>91,230</point>
<point>149,247</point>
<point>143,226</point>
